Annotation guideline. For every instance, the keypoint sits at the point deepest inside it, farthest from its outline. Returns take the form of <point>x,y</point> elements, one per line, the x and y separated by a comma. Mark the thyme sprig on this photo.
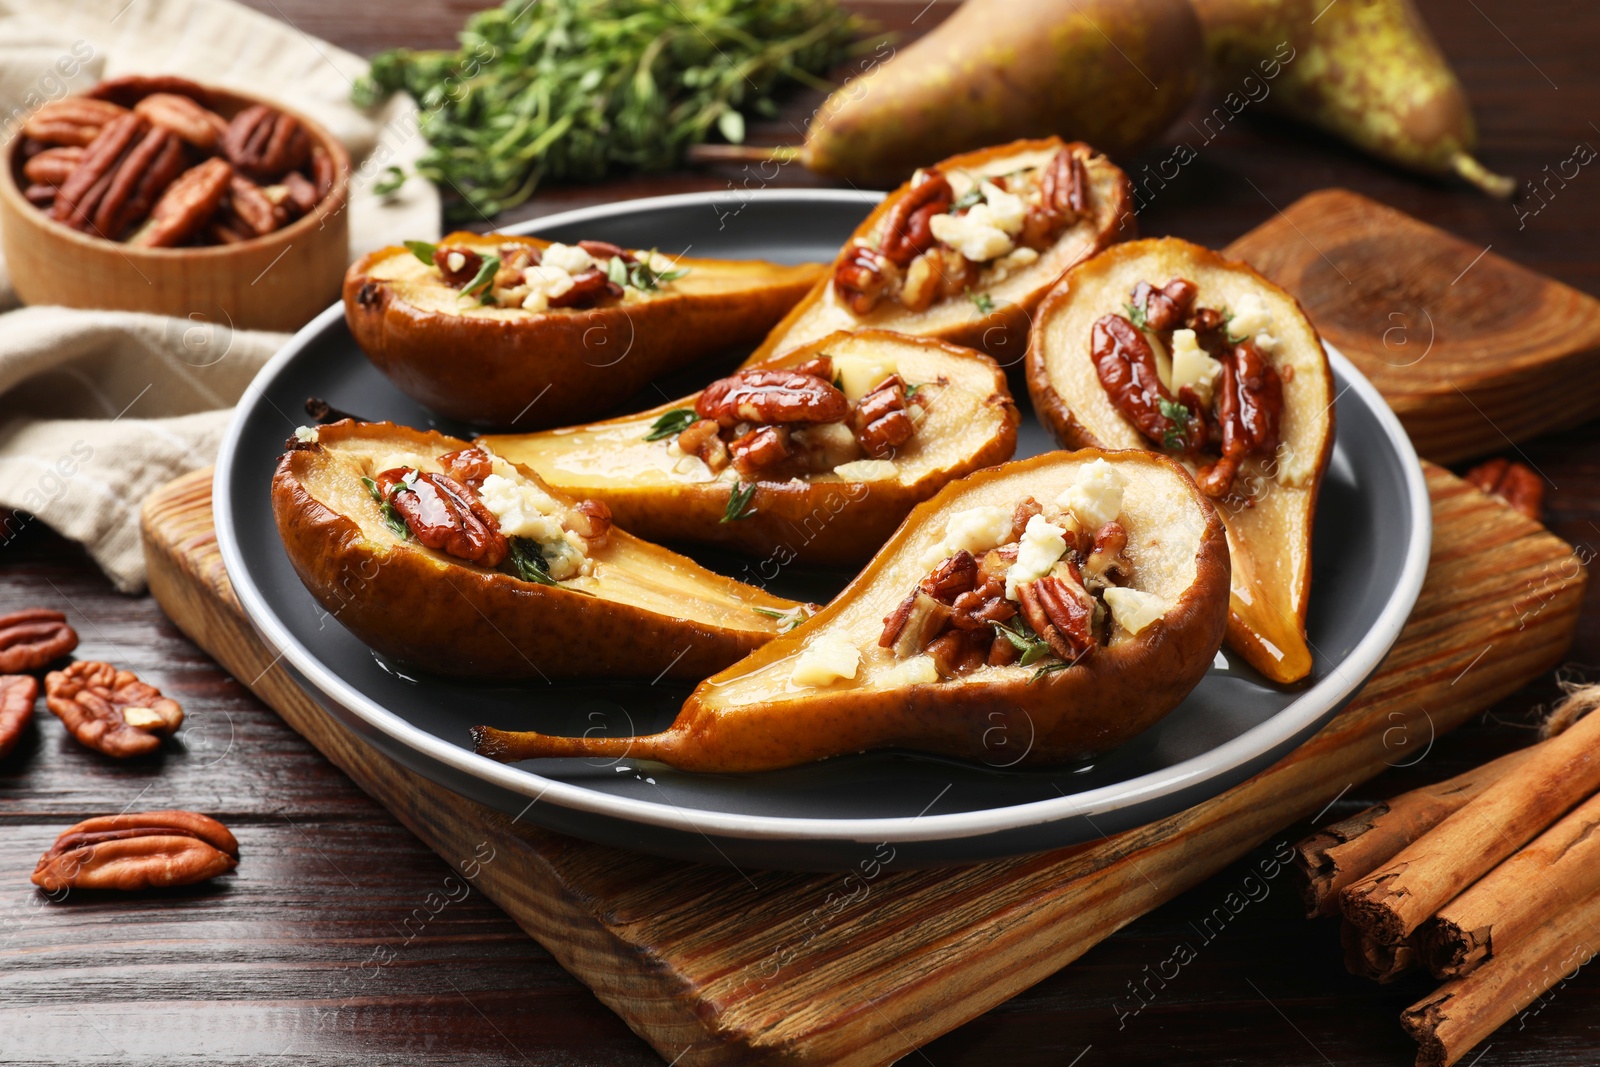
<point>739,503</point>
<point>672,424</point>
<point>570,90</point>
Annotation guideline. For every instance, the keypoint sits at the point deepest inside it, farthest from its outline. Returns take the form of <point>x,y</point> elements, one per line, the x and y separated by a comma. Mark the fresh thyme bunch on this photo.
<point>574,89</point>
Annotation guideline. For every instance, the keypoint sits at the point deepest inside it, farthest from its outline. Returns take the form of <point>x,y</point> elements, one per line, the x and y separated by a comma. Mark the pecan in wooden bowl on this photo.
<point>162,195</point>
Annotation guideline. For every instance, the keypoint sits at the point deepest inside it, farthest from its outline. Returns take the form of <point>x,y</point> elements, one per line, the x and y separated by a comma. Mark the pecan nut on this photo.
<point>263,143</point>
<point>1166,308</point>
<point>913,625</point>
<point>129,89</point>
<point>771,396</point>
<point>250,209</point>
<point>1126,365</point>
<point>119,178</point>
<point>31,639</point>
<point>469,466</point>
<point>588,289</point>
<point>1249,413</point>
<point>300,193</point>
<point>1061,611</point>
<point>881,421</point>
<point>1063,200</point>
<point>909,230</point>
<point>17,695</point>
<point>591,520</point>
<point>445,515</point>
<point>111,711</point>
<point>53,166</point>
<point>861,279</point>
<point>147,850</point>
<point>764,452</point>
<point>40,196</point>
<point>75,121</point>
<point>1515,483</point>
<point>457,264</point>
<point>185,118</point>
<point>187,205</point>
<point>703,441</point>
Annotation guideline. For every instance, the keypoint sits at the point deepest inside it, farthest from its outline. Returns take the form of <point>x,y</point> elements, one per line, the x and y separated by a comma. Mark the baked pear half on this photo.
<point>965,250</point>
<point>504,331</point>
<point>1164,345</point>
<point>816,456</point>
<point>440,555</point>
<point>1041,611</point>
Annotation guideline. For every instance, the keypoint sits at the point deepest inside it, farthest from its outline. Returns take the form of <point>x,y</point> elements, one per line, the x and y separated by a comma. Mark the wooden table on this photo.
<point>284,959</point>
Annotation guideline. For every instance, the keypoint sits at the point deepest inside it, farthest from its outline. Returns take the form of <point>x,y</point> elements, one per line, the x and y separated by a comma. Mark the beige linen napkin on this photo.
<point>98,408</point>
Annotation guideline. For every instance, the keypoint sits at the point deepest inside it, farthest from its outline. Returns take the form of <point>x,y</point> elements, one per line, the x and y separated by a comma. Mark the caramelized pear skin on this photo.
<point>970,423</point>
<point>754,716</point>
<point>992,319</point>
<point>1270,505</point>
<point>513,368</point>
<point>639,608</point>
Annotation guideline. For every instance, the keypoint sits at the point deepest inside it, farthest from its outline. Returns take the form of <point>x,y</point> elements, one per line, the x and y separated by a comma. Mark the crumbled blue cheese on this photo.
<point>826,660</point>
<point>544,282</point>
<point>305,434</point>
<point>1043,544</point>
<point>976,530</point>
<point>860,375</point>
<point>569,258</point>
<point>1193,365</point>
<point>522,510</point>
<point>1134,609</point>
<point>918,670</point>
<point>1096,497</point>
<point>564,556</point>
<point>866,470</point>
<point>1007,210</point>
<point>976,235</point>
<point>1252,319</point>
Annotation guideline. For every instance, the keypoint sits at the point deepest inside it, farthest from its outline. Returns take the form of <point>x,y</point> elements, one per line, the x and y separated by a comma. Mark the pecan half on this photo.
<point>861,279</point>
<point>1127,368</point>
<point>950,579</point>
<point>588,289</point>
<point>33,638</point>
<point>189,121</point>
<point>913,624</point>
<point>17,695</point>
<point>1249,413</point>
<point>187,205</point>
<point>881,421</point>
<point>146,850</point>
<point>75,120</point>
<point>1063,199</point>
<point>958,652</point>
<point>111,711</point>
<point>300,193</point>
<point>591,520</point>
<point>322,170</point>
<point>445,515</point>
<point>263,143</point>
<point>469,466</point>
<point>1061,611</point>
<point>251,208</point>
<point>764,452</point>
<point>40,196</point>
<point>53,166</point>
<point>909,230</point>
<point>703,440</point>
<point>977,608</point>
<point>1106,562</point>
<point>605,250</point>
<point>459,265</point>
<point>1168,307</point>
<point>771,396</point>
<point>119,178</point>
<point>1515,483</point>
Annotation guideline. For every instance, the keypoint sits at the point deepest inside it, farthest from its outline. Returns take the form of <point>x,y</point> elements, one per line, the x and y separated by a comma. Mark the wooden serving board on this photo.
<point>713,966</point>
<point>1472,351</point>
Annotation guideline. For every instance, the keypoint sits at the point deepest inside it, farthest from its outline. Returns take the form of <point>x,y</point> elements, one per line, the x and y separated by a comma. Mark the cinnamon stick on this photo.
<point>1466,1010</point>
<point>1557,872</point>
<point>1353,848</point>
<point>1389,904</point>
<point>1365,958</point>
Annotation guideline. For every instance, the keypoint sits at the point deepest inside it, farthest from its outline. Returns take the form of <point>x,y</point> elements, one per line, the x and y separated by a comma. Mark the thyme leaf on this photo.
<point>528,562</point>
<point>1176,435</point>
<point>787,620</point>
<point>1024,640</point>
<point>1136,316</point>
<point>984,302</point>
<point>672,424</point>
<point>739,503</point>
<point>423,250</point>
<point>391,516</point>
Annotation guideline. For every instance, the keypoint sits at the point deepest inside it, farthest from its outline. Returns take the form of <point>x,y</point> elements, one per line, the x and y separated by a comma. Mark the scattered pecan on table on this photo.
<point>111,711</point>
<point>148,850</point>
<point>34,638</point>
<point>146,160</point>
<point>17,695</point>
<point>1515,483</point>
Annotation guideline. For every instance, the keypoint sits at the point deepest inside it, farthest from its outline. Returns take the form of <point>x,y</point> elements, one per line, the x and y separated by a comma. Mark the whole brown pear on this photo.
<point>1365,70</point>
<point>1114,73</point>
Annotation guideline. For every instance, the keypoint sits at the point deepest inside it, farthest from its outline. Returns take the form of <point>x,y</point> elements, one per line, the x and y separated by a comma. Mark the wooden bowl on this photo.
<point>276,282</point>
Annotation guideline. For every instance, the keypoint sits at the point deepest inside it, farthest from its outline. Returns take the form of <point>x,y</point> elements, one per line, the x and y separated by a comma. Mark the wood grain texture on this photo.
<point>1470,349</point>
<point>713,966</point>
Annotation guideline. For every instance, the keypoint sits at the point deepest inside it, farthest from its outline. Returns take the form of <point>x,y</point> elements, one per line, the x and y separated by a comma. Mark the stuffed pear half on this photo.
<point>1053,607</point>
<point>440,555</point>
<point>507,331</point>
<point>1164,345</point>
<point>965,250</point>
<point>815,456</point>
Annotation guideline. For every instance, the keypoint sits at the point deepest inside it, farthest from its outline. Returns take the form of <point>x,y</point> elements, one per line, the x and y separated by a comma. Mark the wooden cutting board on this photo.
<point>713,966</point>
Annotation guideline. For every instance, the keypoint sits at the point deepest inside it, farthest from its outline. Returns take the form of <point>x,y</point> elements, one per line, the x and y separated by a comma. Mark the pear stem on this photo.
<point>1497,185</point>
<point>513,746</point>
<point>700,155</point>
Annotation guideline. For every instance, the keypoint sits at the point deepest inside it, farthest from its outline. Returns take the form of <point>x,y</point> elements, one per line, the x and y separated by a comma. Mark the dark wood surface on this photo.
<point>344,940</point>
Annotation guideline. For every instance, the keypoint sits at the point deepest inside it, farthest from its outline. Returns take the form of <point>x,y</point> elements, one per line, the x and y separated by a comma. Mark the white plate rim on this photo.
<point>1276,731</point>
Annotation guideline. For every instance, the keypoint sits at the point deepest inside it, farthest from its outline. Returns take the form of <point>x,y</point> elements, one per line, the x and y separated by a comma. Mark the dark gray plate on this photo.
<point>1372,536</point>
